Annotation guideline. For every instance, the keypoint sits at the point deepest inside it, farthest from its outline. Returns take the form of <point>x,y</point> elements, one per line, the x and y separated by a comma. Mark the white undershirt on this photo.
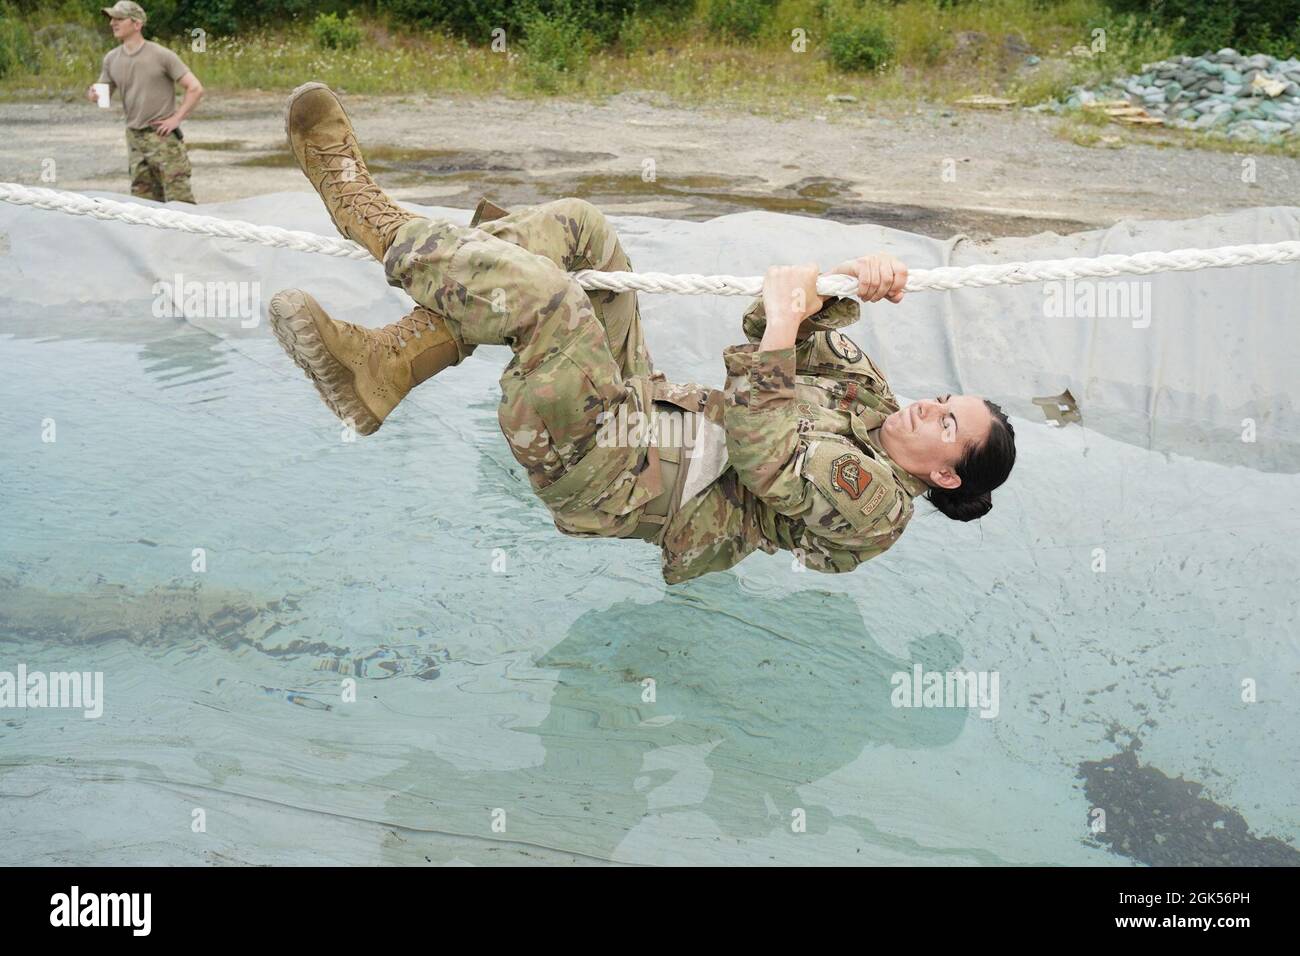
<point>708,457</point>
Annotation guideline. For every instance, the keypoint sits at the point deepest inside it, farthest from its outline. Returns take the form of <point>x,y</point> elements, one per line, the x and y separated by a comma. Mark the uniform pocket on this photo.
<point>587,502</point>
<point>610,480</point>
<point>861,489</point>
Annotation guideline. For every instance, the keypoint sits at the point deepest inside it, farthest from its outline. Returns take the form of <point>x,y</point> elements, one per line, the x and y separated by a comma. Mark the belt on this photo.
<point>656,512</point>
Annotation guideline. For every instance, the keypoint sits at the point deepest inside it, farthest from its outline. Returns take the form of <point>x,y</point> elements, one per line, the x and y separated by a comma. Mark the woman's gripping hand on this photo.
<point>879,276</point>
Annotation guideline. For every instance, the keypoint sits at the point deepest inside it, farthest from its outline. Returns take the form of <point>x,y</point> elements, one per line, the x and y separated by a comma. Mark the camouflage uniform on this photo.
<point>803,472</point>
<point>159,166</point>
<point>806,472</point>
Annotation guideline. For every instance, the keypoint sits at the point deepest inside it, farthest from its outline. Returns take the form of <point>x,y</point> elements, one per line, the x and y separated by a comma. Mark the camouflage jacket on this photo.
<point>804,472</point>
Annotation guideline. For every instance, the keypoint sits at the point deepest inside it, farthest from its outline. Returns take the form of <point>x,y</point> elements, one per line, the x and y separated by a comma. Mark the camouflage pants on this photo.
<point>578,356</point>
<point>159,166</point>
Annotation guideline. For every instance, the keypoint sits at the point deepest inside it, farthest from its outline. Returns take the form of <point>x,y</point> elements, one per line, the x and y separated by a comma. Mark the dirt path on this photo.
<point>1007,173</point>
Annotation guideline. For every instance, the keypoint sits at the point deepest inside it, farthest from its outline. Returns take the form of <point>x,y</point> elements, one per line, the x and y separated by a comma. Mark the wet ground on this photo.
<point>458,177</point>
<point>926,168</point>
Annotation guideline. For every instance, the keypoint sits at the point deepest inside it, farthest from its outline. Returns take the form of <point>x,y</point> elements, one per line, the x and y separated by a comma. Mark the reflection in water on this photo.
<point>171,350</point>
<point>183,359</point>
<point>731,732</point>
<point>173,618</point>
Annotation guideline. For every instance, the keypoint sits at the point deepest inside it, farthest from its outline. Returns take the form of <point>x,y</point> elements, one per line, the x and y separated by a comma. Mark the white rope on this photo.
<point>137,215</point>
<point>919,280</point>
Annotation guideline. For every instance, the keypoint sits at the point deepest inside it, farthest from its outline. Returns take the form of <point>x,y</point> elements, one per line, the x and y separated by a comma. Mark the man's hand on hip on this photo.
<point>166,125</point>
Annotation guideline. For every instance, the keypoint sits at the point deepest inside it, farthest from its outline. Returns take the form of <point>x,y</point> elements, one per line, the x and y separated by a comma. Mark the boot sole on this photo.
<point>298,336</point>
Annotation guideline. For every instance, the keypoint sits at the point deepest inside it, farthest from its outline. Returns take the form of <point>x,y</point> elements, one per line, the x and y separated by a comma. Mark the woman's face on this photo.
<point>929,437</point>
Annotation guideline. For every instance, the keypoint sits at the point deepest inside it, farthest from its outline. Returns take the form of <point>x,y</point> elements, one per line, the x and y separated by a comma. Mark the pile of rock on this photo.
<point>1242,97</point>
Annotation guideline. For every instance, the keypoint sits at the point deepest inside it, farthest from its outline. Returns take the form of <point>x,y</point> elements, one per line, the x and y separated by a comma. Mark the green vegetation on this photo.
<point>334,33</point>
<point>1093,129</point>
<point>860,43</point>
<point>556,47</point>
<point>770,55</point>
<point>1201,26</point>
<point>18,52</point>
<point>741,20</point>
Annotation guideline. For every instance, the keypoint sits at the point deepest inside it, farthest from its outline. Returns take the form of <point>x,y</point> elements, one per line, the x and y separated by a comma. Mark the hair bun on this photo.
<point>961,507</point>
<point>983,468</point>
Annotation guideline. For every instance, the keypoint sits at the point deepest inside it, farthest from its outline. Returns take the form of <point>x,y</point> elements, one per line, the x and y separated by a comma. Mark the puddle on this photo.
<point>447,162</point>
<point>218,145</point>
<point>280,158</point>
<point>699,198</point>
<point>527,177</point>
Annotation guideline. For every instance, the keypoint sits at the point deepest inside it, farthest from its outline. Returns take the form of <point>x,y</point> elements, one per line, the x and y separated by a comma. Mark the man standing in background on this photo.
<point>147,74</point>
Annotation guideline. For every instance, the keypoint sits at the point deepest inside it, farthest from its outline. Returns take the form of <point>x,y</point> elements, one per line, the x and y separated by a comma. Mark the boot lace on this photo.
<point>398,335</point>
<point>348,174</point>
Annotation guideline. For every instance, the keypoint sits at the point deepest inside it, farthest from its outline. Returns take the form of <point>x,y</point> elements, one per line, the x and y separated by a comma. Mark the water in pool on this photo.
<point>381,651</point>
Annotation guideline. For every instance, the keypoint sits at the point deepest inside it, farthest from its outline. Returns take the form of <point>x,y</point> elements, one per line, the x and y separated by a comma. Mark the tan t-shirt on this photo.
<point>147,79</point>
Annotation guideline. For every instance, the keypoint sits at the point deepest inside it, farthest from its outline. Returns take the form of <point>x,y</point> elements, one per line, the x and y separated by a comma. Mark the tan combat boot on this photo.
<point>326,149</point>
<point>362,373</point>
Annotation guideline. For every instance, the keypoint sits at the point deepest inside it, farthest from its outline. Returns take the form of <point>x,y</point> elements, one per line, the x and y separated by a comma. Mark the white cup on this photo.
<point>101,90</point>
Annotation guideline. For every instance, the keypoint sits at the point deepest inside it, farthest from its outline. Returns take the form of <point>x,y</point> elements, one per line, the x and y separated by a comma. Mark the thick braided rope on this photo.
<point>137,215</point>
<point>919,280</point>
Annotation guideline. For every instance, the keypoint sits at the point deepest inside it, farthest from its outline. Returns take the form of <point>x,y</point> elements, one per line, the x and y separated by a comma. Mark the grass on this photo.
<point>934,60</point>
<point>942,54</point>
<point>1084,128</point>
<point>1221,144</point>
<point>1094,130</point>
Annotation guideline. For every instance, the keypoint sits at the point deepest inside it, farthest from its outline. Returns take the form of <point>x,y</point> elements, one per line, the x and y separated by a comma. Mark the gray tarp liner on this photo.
<point>1221,344</point>
<point>170,439</point>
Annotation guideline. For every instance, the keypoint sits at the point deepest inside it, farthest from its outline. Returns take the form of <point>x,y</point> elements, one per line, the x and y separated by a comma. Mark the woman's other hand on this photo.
<point>880,276</point>
<point>790,294</point>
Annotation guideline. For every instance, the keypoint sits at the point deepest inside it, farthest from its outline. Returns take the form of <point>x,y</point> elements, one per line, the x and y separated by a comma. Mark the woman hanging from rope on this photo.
<point>805,449</point>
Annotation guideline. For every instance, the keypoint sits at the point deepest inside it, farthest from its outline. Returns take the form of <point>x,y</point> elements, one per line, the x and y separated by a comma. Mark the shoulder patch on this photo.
<point>848,476</point>
<point>844,347</point>
<point>853,490</point>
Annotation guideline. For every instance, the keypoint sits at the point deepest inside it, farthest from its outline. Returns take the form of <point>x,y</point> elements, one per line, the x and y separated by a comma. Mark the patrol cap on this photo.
<point>126,10</point>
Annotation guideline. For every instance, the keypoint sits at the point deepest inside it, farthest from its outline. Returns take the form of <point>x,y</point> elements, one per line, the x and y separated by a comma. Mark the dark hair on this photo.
<point>981,469</point>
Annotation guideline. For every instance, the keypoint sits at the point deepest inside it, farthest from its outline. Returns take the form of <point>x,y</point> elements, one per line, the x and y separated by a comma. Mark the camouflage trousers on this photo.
<point>578,356</point>
<point>159,166</point>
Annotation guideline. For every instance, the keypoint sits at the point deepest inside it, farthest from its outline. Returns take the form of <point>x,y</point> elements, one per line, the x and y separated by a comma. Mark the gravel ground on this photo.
<point>931,170</point>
